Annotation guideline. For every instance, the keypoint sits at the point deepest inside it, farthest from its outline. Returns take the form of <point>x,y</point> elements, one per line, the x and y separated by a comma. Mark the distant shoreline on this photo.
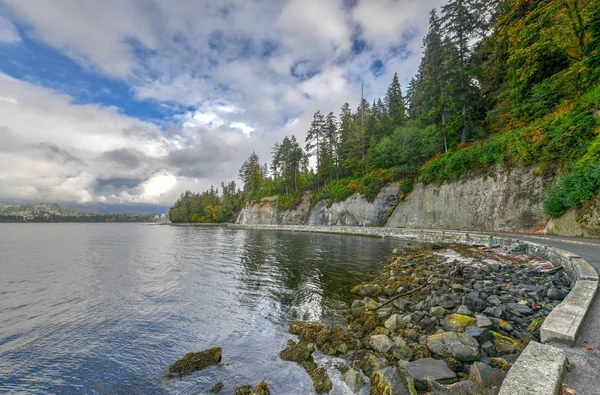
<point>201,224</point>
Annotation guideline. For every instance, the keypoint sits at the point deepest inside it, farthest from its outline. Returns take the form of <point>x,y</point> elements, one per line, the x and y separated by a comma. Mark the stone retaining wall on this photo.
<point>562,325</point>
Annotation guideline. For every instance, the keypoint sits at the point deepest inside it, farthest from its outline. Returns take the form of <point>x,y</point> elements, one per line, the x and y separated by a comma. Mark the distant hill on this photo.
<point>52,212</point>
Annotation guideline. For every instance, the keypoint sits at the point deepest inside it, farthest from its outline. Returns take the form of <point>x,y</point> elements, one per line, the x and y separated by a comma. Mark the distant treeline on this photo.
<point>87,218</point>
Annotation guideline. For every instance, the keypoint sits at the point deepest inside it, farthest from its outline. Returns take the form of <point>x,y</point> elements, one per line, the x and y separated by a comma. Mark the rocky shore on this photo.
<point>439,319</point>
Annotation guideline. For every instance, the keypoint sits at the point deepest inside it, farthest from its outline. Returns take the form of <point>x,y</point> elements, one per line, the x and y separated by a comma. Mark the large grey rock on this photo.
<point>518,308</point>
<point>367,290</point>
<point>395,322</point>
<point>461,388</point>
<point>457,345</point>
<point>353,380</point>
<point>380,343</point>
<point>482,335</point>
<point>426,369</point>
<point>486,376</point>
<point>358,307</point>
<point>389,381</point>
<point>483,321</point>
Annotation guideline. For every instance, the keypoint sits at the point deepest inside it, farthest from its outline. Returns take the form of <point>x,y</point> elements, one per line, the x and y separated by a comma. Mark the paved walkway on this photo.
<point>584,357</point>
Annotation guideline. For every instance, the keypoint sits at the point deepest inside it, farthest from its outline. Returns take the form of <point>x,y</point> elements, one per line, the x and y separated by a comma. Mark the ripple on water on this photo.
<point>106,308</point>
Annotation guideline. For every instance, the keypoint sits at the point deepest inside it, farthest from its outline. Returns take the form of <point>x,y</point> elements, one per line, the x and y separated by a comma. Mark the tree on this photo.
<point>314,138</point>
<point>461,21</point>
<point>395,103</point>
<point>332,139</point>
<point>251,174</point>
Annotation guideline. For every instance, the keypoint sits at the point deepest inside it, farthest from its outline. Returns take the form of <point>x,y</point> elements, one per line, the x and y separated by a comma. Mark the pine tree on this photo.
<point>395,103</point>
<point>314,139</point>
<point>461,21</point>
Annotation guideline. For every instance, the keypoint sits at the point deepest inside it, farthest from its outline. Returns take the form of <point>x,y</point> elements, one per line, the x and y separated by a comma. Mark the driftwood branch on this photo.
<point>429,281</point>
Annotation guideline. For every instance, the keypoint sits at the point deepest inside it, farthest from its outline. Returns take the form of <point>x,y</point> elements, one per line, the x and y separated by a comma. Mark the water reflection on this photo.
<point>104,308</point>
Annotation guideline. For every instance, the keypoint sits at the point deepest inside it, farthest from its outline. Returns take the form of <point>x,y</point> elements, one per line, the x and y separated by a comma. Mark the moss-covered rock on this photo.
<point>388,381</point>
<point>459,321</point>
<point>216,388</point>
<point>297,352</point>
<point>321,380</point>
<point>507,345</point>
<point>261,389</point>
<point>194,361</point>
<point>243,390</point>
<point>306,331</point>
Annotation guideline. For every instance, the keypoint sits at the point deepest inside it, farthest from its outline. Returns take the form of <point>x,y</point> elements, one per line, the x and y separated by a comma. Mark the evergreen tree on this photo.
<point>461,21</point>
<point>314,140</point>
<point>395,103</point>
<point>251,174</point>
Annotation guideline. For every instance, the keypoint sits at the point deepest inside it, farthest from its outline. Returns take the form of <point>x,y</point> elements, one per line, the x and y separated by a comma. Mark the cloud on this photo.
<point>237,75</point>
<point>8,32</point>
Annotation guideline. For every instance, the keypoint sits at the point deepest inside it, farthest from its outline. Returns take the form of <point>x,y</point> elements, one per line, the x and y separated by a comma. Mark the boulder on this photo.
<point>389,381</point>
<point>306,331</point>
<point>437,311</point>
<point>243,390</point>
<point>486,376</point>
<point>451,344</point>
<point>194,361</point>
<point>459,321</point>
<point>474,303</point>
<point>380,343</point>
<point>367,290</point>
<point>507,345</point>
<point>401,350</point>
<point>261,389</point>
<point>353,380</point>
<point>482,335</point>
<point>321,381</point>
<point>370,363</point>
<point>395,322</point>
<point>466,387</point>
<point>464,310</point>
<point>426,369</point>
<point>483,321</point>
<point>216,388</point>
<point>519,309</point>
<point>358,307</point>
<point>297,352</point>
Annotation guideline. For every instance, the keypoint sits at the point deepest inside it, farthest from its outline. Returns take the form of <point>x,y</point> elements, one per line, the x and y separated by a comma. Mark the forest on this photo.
<point>500,82</point>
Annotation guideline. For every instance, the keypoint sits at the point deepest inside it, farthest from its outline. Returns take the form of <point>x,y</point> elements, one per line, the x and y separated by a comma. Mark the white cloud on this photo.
<point>8,32</point>
<point>224,66</point>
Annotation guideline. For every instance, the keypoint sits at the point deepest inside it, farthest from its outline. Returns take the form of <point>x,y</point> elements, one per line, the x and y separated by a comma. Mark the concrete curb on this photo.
<point>562,324</point>
<point>538,370</point>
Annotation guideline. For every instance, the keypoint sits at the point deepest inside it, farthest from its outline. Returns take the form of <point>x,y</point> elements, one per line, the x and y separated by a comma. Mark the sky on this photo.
<point>132,102</point>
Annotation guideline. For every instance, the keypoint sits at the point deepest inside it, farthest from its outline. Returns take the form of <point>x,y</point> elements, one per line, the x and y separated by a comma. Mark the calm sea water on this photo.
<point>106,308</point>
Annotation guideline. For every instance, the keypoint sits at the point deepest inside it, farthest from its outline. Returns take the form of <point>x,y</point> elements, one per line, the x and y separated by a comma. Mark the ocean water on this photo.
<point>106,308</point>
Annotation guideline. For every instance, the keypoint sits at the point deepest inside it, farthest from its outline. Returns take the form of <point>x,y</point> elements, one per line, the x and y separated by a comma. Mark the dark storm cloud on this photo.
<point>128,158</point>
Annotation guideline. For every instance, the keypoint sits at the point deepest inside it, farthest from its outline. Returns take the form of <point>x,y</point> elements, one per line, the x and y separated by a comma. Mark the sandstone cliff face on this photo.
<point>502,199</point>
<point>356,210</point>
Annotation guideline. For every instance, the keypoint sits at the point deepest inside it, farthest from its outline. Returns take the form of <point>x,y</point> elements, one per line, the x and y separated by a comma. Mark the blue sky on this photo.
<point>129,102</point>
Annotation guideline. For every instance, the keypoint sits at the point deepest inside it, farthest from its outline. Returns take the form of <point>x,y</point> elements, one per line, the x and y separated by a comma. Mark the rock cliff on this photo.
<point>497,199</point>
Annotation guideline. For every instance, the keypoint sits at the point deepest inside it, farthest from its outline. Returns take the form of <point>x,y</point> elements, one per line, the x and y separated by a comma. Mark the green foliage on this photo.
<point>572,189</point>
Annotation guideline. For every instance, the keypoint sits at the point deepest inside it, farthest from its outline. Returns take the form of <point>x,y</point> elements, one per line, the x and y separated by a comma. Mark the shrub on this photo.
<point>572,189</point>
